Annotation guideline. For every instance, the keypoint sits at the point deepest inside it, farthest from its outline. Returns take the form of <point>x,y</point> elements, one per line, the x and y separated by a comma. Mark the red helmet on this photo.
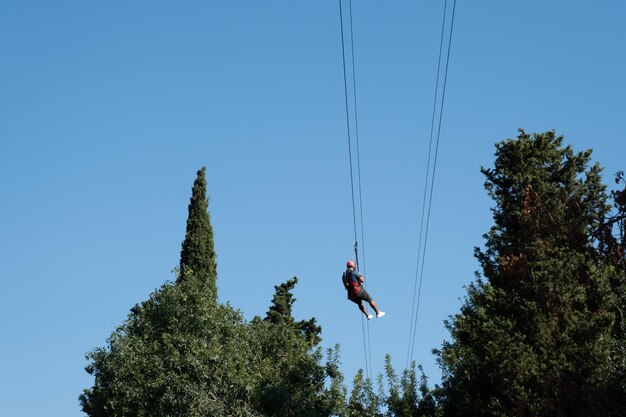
<point>350,264</point>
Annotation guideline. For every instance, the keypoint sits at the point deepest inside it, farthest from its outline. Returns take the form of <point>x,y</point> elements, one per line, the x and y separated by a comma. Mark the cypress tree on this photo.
<point>197,256</point>
<point>182,353</point>
<point>533,337</point>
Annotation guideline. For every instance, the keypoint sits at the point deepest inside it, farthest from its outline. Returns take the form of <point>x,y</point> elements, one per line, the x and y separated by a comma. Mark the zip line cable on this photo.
<point>426,178</point>
<point>345,92</point>
<point>356,131</point>
<point>432,184</point>
<point>366,344</point>
<point>358,165</point>
<point>432,178</point>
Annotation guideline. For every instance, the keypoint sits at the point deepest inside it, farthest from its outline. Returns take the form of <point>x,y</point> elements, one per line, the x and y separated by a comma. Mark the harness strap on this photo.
<point>354,288</point>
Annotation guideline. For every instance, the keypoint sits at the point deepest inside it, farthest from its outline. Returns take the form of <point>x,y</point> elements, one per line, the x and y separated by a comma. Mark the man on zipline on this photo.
<point>353,282</point>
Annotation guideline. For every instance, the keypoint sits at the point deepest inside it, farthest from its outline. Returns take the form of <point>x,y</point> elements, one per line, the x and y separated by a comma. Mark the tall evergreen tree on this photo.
<point>182,354</point>
<point>179,353</point>
<point>533,337</point>
<point>197,256</point>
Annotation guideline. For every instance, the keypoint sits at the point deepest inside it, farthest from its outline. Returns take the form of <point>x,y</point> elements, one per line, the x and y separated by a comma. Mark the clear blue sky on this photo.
<point>107,110</point>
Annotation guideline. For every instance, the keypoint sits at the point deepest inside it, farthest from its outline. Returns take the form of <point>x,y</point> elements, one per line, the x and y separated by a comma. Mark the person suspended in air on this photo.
<point>353,283</point>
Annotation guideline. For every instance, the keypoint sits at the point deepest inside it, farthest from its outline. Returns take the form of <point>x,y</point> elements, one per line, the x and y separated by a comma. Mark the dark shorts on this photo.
<point>361,296</point>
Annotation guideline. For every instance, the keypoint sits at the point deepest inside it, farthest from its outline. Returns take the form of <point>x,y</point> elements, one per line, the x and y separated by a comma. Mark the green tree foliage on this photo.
<point>293,380</point>
<point>197,256</point>
<point>180,353</point>
<point>612,237</point>
<point>408,396</point>
<point>176,355</point>
<point>402,399</point>
<point>280,312</point>
<point>363,401</point>
<point>403,396</point>
<point>534,336</point>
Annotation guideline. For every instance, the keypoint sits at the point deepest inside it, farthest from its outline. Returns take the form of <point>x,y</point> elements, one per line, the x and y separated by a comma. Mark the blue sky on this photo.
<point>107,110</point>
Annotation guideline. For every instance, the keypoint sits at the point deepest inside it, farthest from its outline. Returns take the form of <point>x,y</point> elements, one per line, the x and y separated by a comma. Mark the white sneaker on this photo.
<point>379,315</point>
<point>369,317</point>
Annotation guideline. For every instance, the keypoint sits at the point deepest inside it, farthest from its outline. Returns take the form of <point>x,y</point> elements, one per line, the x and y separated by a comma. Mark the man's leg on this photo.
<point>373,304</point>
<point>363,309</point>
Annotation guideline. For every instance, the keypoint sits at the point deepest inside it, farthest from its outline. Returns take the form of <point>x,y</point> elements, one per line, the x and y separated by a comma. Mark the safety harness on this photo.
<point>353,287</point>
